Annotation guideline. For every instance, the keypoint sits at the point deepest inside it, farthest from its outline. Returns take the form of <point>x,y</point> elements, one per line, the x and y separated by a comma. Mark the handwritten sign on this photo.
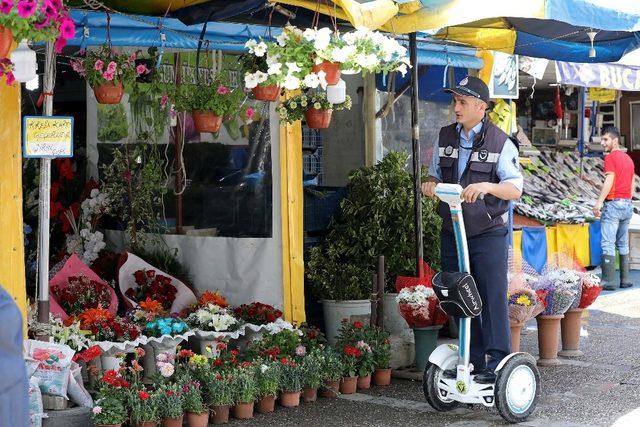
<point>47,137</point>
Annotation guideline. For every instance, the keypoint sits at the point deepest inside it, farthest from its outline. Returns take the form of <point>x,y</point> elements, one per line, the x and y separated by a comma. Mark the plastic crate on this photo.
<point>320,205</point>
<point>312,165</point>
<point>311,138</point>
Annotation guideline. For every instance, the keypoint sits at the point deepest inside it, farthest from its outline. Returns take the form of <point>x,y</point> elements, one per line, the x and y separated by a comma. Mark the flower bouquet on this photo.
<point>419,307</point>
<point>156,287</point>
<point>257,313</point>
<point>523,305</point>
<point>107,72</point>
<point>163,335</point>
<point>314,107</point>
<point>560,285</point>
<point>213,322</point>
<point>591,288</point>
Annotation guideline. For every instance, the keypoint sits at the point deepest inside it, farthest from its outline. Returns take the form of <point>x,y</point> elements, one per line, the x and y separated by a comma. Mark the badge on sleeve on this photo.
<point>483,155</point>
<point>448,151</point>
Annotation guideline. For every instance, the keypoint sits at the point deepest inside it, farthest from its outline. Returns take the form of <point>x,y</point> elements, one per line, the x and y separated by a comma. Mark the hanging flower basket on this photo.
<point>6,38</point>
<point>206,121</point>
<point>318,119</point>
<point>331,69</point>
<point>109,93</point>
<point>266,93</point>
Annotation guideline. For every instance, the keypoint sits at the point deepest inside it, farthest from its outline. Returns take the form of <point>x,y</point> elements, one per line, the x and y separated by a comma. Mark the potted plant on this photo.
<point>571,323</point>
<point>143,407</point>
<point>350,358</point>
<point>381,347</point>
<point>244,390</point>
<point>108,72</point>
<point>267,383</point>
<point>325,44</point>
<point>263,81</point>
<point>332,370</point>
<point>219,394</point>
<point>312,374</point>
<point>170,409</point>
<point>290,383</point>
<point>257,313</point>
<point>314,107</point>
<point>193,402</point>
<point>164,334</point>
<point>108,411</point>
<point>371,52</point>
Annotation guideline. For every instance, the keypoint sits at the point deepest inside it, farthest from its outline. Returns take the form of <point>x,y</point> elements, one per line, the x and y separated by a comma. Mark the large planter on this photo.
<point>198,420</point>
<point>364,383</point>
<point>219,415</point>
<point>330,389</point>
<point>206,121</point>
<point>570,332</point>
<point>109,93</point>
<point>309,395</point>
<point>348,385</point>
<point>6,39</point>
<point>516,330</point>
<point>394,323</point>
<point>548,331</point>
<point>172,422</point>
<point>331,69</point>
<point>266,93</point>
<point>382,377</point>
<point>243,411</point>
<point>266,404</point>
<point>426,340</point>
<point>318,119</point>
<point>290,399</point>
<point>335,311</point>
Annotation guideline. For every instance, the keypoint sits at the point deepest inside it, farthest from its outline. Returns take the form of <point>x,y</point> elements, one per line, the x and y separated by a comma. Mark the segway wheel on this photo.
<point>517,388</point>
<point>430,380</point>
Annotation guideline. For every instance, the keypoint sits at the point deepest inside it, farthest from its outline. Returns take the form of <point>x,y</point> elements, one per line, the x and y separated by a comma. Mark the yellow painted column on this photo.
<point>292,205</point>
<point>12,274</point>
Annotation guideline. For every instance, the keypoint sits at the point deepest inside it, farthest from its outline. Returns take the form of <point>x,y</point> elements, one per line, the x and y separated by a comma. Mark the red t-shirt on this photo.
<point>621,165</point>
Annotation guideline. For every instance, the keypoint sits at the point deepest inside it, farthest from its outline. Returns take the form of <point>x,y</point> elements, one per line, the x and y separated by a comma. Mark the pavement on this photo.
<point>600,388</point>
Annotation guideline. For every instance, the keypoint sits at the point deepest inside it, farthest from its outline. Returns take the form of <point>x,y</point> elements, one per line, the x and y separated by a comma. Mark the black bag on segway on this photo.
<point>458,294</point>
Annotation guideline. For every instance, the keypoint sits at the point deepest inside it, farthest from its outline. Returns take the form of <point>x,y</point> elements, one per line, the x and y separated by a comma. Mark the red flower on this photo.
<point>65,168</point>
<point>143,395</point>
<point>221,346</point>
<point>140,351</point>
<point>185,353</point>
<point>351,351</point>
<point>170,393</point>
<point>357,324</point>
<point>88,354</point>
<point>234,352</point>
<point>217,362</point>
<point>55,189</point>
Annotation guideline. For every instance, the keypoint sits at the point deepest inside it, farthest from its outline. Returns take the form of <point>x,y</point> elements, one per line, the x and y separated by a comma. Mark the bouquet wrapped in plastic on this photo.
<point>419,306</point>
<point>561,288</point>
<point>591,288</point>
<point>524,302</point>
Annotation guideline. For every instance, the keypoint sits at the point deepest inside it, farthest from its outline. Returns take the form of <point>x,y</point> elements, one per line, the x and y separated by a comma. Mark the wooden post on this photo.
<point>380,291</point>
<point>373,321</point>
<point>177,149</point>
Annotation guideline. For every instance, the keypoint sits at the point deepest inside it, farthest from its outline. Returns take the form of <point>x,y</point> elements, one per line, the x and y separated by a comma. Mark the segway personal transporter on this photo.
<point>517,387</point>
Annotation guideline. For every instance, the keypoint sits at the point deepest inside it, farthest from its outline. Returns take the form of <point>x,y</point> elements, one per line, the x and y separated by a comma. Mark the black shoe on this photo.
<point>485,377</point>
<point>452,373</point>
<point>626,285</point>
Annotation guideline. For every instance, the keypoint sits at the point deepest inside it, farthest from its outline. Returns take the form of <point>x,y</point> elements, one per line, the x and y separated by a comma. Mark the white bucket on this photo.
<point>394,323</point>
<point>335,311</point>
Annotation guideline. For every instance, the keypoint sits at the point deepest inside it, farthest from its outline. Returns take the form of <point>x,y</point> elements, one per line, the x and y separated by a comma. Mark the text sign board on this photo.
<point>47,137</point>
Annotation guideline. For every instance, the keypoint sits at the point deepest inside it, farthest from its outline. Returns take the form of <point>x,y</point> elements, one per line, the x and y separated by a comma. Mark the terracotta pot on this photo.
<point>318,119</point>
<point>364,383</point>
<point>219,414</point>
<point>108,425</point>
<point>309,395</point>
<point>206,121</point>
<point>109,93</point>
<point>172,422</point>
<point>570,332</point>
<point>266,404</point>
<point>382,376</point>
<point>6,38</point>
<point>147,424</point>
<point>548,330</point>
<point>290,399</point>
<point>516,329</point>
<point>266,93</point>
<point>243,411</point>
<point>330,389</point>
<point>332,70</point>
<point>348,385</point>
<point>198,420</point>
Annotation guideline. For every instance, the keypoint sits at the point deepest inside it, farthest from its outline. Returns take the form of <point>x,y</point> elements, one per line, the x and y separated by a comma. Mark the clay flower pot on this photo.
<point>198,420</point>
<point>331,69</point>
<point>206,121</point>
<point>364,383</point>
<point>266,404</point>
<point>570,332</point>
<point>147,424</point>
<point>548,331</point>
<point>219,414</point>
<point>348,385</point>
<point>290,399</point>
<point>330,389</point>
<point>6,38</point>
<point>516,330</point>
<point>318,119</point>
<point>309,395</point>
<point>243,411</point>
<point>266,93</point>
<point>172,422</point>
<point>108,425</point>
<point>109,93</point>
<point>382,376</point>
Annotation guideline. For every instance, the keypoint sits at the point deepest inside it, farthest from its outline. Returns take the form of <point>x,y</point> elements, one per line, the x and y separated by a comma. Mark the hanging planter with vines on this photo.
<point>314,107</point>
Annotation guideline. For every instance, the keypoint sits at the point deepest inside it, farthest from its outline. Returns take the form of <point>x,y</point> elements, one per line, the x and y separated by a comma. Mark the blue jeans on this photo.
<point>615,217</point>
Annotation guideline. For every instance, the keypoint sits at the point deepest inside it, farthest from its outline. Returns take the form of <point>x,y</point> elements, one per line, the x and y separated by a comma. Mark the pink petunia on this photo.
<point>112,67</point>
<point>108,75</point>
<point>132,57</point>
<point>6,6</point>
<point>60,44</point>
<point>142,69</point>
<point>10,78</point>
<point>98,65</point>
<point>42,24</point>
<point>49,9</point>
<point>164,100</point>
<point>27,8</point>
<point>249,112</point>
<point>67,28</point>
<point>223,90</point>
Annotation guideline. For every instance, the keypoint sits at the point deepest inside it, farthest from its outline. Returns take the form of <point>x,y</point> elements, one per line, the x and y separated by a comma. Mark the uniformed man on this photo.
<point>481,158</point>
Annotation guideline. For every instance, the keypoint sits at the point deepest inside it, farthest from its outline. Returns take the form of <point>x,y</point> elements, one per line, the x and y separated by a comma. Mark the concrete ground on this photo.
<point>600,388</point>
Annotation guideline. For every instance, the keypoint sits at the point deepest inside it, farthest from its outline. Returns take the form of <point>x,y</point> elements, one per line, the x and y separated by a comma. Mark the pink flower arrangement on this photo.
<point>223,90</point>
<point>120,68</point>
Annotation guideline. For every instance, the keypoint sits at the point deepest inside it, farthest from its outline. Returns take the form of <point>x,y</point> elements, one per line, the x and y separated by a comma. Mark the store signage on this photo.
<point>610,76</point>
<point>601,95</point>
<point>503,82</point>
<point>47,137</point>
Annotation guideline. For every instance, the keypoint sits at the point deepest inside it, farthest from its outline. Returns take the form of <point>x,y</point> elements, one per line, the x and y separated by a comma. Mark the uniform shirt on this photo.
<point>620,164</point>
<point>508,169</point>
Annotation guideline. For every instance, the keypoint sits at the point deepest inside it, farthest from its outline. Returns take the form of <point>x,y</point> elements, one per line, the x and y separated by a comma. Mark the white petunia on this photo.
<point>260,49</point>
<point>292,67</point>
<point>282,38</point>
<point>402,68</point>
<point>291,82</point>
<point>274,68</point>
<point>250,80</point>
<point>323,38</point>
<point>322,76</point>
<point>250,44</point>
<point>309,34</point>
<point>273,59</point>
<point>312,80</point>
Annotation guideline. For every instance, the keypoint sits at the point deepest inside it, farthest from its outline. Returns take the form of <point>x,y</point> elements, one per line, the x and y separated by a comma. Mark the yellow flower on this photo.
<point>523,300</point>
<point>198,359</point>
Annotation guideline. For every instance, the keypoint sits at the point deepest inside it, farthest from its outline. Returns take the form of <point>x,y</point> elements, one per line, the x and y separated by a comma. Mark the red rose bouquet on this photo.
<point>591,288</point>
<point>153,286</point>
<point>106,327</point>
<point>257,313</point>
<point>82,293</point>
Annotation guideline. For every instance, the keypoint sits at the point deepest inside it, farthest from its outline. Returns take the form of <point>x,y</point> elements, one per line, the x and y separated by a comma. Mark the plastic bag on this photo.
<point>54,362</point>
<point>77,393</point>
<point>36,411</point>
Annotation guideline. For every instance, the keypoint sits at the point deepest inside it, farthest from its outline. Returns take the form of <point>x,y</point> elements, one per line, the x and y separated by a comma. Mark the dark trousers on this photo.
<point>488,255</point>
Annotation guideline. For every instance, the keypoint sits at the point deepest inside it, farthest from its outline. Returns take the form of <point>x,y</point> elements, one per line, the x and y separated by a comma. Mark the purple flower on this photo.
<point>6,6</point>
<point>67,28</point>
<point>26,8</point>
<point>10,78</point>
<point>49,9</point>
<point>42,24</point>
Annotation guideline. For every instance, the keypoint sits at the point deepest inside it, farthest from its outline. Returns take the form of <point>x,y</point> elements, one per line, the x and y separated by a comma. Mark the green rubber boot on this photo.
<point>609,273</point>
<point>625,279</point>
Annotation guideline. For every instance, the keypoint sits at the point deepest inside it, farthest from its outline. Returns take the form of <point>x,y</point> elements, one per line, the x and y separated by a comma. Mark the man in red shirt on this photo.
<point>615,209</point>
